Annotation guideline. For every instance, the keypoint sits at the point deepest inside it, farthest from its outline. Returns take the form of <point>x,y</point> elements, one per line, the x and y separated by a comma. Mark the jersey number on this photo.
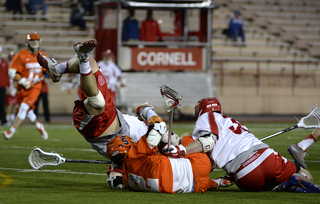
<point>237,127</point>
<point>139,184</point>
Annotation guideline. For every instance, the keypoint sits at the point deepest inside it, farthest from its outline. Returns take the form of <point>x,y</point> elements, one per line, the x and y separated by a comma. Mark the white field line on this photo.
<point>71,149</point>
<point>51,171</point>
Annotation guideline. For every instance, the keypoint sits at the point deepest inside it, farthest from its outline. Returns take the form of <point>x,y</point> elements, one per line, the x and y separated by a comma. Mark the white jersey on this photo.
<point>111,73</point>
<point>233,138</point>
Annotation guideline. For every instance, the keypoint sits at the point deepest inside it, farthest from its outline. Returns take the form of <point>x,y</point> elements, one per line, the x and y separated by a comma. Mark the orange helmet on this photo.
<point>207,105</point>
<point>33,42</point>
<point>118,147</point>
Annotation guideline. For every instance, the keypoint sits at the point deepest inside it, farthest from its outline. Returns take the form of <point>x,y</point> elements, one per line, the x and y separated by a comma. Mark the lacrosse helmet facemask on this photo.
<point>33,42</point>
<point>207,105</point>
<point>118,147</point>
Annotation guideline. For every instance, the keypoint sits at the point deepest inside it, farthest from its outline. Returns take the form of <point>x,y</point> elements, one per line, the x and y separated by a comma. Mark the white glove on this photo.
<point>175,151</point>
<point>174,138</point>
<point>155,133</point>
<point>25,83</point>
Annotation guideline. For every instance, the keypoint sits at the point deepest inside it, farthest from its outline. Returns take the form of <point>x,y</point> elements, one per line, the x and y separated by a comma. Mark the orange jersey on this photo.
<point>147,170</point>
<point>27,65</point>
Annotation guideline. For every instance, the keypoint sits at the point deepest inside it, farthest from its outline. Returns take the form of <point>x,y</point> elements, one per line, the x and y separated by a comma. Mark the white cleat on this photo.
<point>43,132</point>
<point>84,49</point>
<point>7,134</point>
<point>50,65</point>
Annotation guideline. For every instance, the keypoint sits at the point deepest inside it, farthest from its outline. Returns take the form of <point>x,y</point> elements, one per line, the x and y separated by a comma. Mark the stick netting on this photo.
<point>312,120</point>
<point>39,158</point>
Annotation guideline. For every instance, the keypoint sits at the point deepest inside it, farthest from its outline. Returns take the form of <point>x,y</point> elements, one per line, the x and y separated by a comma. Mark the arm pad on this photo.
<point>155,133</point>
<point>96,101</point>
<point>12,73</point>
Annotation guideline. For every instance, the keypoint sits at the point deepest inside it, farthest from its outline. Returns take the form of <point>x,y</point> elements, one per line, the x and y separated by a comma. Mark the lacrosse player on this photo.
<point>252,164</point>
<point>95,115</point>
<point>145,169</point>
<point>26,71</point>
<point>298,151</point>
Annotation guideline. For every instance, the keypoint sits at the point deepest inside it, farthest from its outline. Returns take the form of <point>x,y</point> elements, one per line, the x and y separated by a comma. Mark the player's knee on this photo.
<point>96,101</point>
<point>22,113</point>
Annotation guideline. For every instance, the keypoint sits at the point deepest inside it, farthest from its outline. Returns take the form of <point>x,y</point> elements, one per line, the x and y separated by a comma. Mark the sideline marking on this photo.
<point>7,180</point>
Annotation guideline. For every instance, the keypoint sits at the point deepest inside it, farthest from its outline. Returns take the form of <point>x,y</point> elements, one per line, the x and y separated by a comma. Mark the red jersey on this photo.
<point>150,31</point>
<point>4,78</point>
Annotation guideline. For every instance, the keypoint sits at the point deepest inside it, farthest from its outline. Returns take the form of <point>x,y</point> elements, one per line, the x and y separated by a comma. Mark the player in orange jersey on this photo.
<point>26,71</point>
<point>145,169</point>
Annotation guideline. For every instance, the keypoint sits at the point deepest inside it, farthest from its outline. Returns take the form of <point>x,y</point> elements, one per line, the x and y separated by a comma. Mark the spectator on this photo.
<point>130,30</point>
<point>34,5</point>
<point>150,30</point>
<point>111,73</point>
<point>4,84</point>
<point>25,70</point>
<point>236,27</point>
<point>76,17</point>
<point>45,102</point>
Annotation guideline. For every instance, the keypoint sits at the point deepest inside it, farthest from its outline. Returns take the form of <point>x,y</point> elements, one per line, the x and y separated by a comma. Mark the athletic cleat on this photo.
<point>298,183</point>
<point>50,65</point>
<point>84,49</point>
<point>297,153</point>
<point>7,134</point>
<point>43,132</point>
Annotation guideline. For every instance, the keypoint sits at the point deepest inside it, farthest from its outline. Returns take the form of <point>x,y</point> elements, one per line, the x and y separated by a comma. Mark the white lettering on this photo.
<point>165,59</point>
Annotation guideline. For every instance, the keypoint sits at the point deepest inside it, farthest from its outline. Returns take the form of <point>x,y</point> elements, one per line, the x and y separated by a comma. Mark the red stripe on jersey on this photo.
<point>213,124</point>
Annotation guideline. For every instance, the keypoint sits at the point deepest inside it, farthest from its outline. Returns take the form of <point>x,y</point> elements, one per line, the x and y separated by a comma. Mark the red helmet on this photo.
<point>30,42</point>
<point>207,105</point>
<point>107,53</point>
<point>11,55</point>
<point>118,147</point>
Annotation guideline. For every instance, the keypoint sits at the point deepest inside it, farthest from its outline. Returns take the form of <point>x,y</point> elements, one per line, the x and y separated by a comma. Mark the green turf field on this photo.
<point>86,183</point>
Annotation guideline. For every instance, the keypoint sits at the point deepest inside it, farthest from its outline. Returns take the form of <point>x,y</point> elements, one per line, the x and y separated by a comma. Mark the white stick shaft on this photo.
<point>170,128</point>
<point>279,133</point>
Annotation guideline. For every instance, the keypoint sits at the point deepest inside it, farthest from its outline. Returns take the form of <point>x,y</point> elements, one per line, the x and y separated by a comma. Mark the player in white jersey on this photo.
<point>252,164</point>
<point>111,73</point>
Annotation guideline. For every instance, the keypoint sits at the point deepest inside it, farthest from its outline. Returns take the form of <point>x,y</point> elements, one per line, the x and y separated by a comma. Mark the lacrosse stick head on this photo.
<point>39,158</point>
<point>312,120</point>
<point>171,98</point>
<point>207,105</point>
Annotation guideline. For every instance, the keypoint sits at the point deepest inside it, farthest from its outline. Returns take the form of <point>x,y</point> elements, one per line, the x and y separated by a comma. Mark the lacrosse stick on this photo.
<point>171,99</point>
<point>39,158</point>
<point>42,78</point>
<point>311,121</point>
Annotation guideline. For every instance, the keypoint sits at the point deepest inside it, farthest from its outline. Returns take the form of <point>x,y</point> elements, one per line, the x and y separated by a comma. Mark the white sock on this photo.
<point>13,129</point>
<point>85,68</point>
<point>307,142</point>
<point>61,67</point>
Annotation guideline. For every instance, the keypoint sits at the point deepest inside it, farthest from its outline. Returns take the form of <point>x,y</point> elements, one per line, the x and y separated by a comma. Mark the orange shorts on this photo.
<point>29,96</point>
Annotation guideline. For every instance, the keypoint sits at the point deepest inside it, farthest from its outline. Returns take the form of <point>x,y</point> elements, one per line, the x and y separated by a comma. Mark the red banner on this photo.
<point>166,58</point>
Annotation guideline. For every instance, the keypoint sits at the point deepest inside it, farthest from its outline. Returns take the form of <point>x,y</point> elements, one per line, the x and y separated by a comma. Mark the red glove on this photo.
<point>175,151</point>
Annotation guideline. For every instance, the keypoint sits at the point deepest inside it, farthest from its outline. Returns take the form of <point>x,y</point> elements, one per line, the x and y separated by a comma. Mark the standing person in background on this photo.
<point>236,27</point>
<point>150,30</point>
<point>12,97</point>
<point>34,5</point>
<point>77,14</point>
<point>130,30</point>
<point>4,84</point>
<point>26,71</point>
<point>111,73</point>
<point>45,102</point>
